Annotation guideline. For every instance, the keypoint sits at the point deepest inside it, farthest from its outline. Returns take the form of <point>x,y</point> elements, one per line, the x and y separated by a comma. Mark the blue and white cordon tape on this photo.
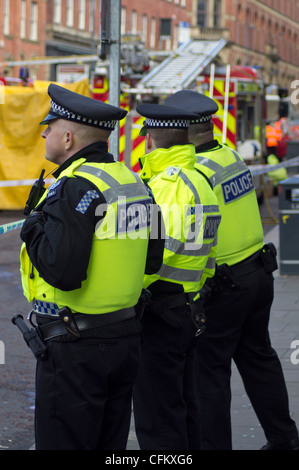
<point>11,226</point>
<point>5,184</point>
<point>255,170</point>
<point>263,169</point>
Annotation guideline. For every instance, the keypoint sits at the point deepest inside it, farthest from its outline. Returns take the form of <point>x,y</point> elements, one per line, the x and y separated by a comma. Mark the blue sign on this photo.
<point>133,216</point>
<point>237,186</point>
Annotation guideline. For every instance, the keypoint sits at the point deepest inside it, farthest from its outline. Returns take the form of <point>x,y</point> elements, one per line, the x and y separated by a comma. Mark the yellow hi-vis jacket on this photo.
<point>190,213</point>
<point>119,248</point>
<point>240,233</point>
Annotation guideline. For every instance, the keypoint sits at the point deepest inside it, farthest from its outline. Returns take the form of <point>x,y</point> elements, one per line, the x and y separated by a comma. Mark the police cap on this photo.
<point>66,104</point>
<point>195,102</point>
<point>164,117</point>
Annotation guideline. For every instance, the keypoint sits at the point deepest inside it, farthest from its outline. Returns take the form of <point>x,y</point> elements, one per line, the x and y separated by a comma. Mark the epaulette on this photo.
<point>171,173</point>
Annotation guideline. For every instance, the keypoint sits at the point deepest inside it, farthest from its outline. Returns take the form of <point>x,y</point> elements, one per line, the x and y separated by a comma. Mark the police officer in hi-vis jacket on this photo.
<point>238,299</point>
<point>82,264</point>
<point>165,405</point>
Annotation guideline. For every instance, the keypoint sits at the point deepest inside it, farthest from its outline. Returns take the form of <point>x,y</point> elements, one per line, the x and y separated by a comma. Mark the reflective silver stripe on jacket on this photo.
<point>221,173</point>
<point>184,275</point>
<point>181,248</point>
<point>190,186</point>
<point>211,263</point>
<point>116,189</point>
<point>177,274</point>
<point>189,248</point>
<point>210,208</point>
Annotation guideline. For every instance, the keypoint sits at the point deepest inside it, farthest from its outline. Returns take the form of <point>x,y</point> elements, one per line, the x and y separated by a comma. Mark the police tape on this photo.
<point>9,183</point>
<point>264,169</point>
<point>255,170</point>
<point>11,226</point>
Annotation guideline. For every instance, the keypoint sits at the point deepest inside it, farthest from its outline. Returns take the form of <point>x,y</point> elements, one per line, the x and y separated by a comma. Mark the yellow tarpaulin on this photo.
<point>22,148</point>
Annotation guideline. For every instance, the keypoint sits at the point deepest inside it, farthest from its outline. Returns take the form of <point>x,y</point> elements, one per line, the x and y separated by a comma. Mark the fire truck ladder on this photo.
<point>180,70</point>
<point>226,97</point>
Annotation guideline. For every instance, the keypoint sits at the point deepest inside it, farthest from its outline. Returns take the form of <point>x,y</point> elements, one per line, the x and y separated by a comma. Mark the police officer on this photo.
<point>165,406</point>
<point>82,264</point>
<point>238,307</point>
<point>271,139</point>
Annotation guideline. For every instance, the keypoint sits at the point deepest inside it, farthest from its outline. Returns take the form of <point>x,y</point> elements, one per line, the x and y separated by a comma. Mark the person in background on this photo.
<point>271,138</point>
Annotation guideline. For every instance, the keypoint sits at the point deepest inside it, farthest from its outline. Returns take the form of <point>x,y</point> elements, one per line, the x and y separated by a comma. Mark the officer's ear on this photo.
<point>68,139</point>
<point>149,142</point>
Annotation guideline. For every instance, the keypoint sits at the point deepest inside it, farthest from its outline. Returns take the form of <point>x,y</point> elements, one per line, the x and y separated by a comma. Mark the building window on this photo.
<point>6,28</point>
<point>134,22</point>
<point>202,13</point>
<point>217,13</point>
<point>183,3</point>
<point>81,14</point>
<point>57,12</point>
<point>165,28</point>
<point>175,36</point>
<point>144,29</point>
<point>33,21</point>
<point>123,28</point>
<point>23,19</point>
<point>153,33</point>
<point>70,13</point>
<point>92,16</point>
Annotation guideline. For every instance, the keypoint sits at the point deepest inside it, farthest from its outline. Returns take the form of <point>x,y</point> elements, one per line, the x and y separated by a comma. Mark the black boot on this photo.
<point>290,445</point>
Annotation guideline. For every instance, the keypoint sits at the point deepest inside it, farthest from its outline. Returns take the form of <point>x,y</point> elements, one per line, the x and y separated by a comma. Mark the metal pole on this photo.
<point>91,20</point>
<point>212,75</point>
<point>114,71</point>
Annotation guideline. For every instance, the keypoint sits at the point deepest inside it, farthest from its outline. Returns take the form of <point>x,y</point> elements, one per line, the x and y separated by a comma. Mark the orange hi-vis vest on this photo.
<point>271,136</point>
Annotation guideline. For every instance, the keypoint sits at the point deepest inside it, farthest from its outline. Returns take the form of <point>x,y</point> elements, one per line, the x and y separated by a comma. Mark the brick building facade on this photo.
<point>22,32</point>
<point>160,24</point>
<point>260,33</point>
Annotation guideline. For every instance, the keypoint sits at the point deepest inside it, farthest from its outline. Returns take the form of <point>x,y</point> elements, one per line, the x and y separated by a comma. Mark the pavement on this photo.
<point>284,332</point>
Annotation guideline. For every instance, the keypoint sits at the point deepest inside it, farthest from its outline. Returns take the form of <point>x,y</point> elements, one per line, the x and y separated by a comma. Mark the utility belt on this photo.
<point>71,324</point>
<point>163,307</point>
<point>227,276</point>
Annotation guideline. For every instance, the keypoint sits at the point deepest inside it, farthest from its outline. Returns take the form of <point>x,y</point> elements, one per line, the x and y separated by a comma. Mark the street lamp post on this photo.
<point>114,70</point>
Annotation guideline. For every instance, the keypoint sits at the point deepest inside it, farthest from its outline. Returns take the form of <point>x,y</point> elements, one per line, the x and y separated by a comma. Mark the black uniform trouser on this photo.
<point>165,404</point>
<point>237,328</point>
<point>84,392</point>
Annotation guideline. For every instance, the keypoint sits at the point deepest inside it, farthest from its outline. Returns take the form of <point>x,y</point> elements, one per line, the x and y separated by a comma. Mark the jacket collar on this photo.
<point>96,152</point>
<point>207,146</point>
<point>157,161</point>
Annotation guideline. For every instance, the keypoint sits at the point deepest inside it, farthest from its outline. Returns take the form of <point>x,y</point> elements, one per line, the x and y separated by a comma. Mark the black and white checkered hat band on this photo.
<point>201,119</point>
<point>167,123</point>
<point>58,110</point>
